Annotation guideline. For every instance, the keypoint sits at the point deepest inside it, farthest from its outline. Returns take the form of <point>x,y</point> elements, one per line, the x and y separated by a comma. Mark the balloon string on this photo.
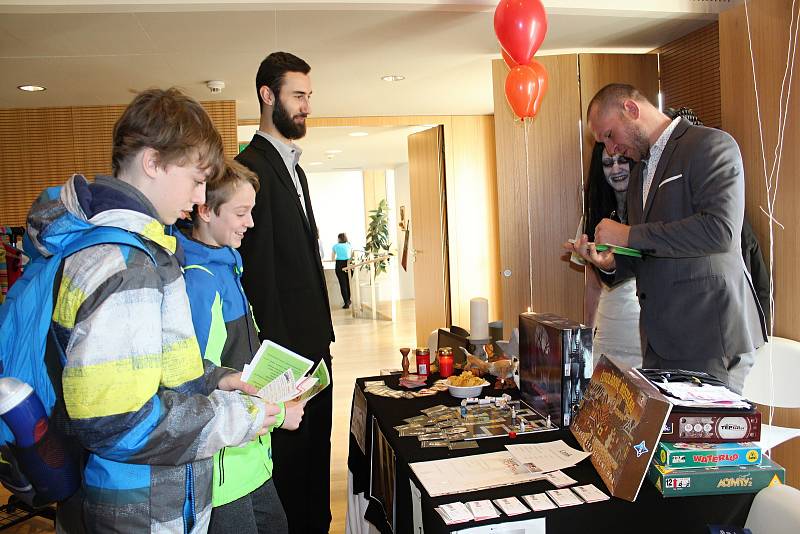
<point>771,179</point>
<point>526,123</point>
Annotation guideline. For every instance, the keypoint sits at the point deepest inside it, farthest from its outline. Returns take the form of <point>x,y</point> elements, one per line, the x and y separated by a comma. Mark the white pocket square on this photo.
<point>670,179</point>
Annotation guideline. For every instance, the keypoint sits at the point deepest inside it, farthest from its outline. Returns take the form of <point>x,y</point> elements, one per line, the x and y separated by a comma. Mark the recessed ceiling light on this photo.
<point>393,78</point>
<point>358,134</point>
<point>31,88</point>
<point>314,163</point>
<point>333,151</point>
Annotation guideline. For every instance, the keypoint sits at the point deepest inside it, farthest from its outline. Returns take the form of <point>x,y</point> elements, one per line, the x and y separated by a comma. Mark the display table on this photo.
<point>381,472</point>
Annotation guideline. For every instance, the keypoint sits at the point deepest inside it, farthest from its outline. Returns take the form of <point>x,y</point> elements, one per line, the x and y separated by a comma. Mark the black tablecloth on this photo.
<point>651,512</point>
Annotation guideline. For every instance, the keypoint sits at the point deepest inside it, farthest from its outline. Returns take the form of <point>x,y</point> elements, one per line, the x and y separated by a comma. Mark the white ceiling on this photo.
<point>90,52</point>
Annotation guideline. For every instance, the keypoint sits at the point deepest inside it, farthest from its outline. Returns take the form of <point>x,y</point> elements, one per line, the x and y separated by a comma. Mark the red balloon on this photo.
<point>542,78</point>
<point>522,87</point>
<point>520,26</point>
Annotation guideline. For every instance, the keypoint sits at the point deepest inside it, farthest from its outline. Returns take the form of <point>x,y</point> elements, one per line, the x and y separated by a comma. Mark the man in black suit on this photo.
<point>685,213</point>
<point>285,283</point>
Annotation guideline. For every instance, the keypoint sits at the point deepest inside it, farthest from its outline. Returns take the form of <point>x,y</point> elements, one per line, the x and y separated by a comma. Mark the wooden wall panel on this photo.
<point>598,70</point>
<point>769,25</point>
<point>690,74</point>
<point>42,147</point>
<point>538,214</point>
<point>472,216</point>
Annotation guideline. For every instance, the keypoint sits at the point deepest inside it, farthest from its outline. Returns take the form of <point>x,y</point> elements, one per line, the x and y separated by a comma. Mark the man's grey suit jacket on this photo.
<point>696,297</point>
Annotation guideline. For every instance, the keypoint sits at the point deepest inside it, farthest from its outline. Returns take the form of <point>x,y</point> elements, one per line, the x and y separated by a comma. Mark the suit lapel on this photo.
<point>276,161</point>
<point>669,148</point>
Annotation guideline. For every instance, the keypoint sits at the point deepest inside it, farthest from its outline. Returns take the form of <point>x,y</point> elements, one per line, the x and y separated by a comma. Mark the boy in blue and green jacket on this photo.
<point>243,494</point>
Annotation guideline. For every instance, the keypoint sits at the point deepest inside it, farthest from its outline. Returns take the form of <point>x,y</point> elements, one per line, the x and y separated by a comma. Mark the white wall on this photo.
<point>402,197</point>
<point>338,200</point>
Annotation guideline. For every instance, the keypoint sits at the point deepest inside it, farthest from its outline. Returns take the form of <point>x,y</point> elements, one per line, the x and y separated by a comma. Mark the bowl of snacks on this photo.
<point>466,385</point>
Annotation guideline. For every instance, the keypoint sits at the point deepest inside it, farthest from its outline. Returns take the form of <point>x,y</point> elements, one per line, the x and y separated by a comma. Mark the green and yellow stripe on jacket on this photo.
<point>228,337</point>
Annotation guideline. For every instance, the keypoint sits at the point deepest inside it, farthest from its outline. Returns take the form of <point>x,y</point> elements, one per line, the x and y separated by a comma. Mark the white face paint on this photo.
<point>617,170</point>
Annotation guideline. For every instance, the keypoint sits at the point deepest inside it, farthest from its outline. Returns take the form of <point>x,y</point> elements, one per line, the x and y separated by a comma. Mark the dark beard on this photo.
<point>285,124</point>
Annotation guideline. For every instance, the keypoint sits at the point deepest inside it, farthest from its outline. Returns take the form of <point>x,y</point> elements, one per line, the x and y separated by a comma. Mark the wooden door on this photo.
<point>429,231</point>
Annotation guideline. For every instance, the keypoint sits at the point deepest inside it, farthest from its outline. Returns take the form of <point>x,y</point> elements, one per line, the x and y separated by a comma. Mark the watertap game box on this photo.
<point>680,455</point>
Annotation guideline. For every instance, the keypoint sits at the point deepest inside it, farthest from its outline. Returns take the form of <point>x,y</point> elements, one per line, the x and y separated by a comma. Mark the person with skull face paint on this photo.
<point>284,281</point>
<point>613,311</point>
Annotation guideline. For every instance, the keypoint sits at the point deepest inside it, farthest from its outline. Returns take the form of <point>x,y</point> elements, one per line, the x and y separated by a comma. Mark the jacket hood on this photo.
<point>197,253</point>
<point>61,213</point>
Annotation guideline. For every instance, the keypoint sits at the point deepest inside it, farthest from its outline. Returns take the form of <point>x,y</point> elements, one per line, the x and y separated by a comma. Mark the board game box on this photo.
<point>679,455</point>
<point>620,423</point>
<point>712,426</point>
<point>555,364</point>
<point>716,480</point>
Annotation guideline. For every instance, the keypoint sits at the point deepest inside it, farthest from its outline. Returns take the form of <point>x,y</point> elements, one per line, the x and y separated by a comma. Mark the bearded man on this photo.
<point>285,283</point>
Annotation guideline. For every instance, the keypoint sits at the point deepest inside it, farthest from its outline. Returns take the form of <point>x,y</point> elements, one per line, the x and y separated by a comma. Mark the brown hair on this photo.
<point>173,124</point>
<point>614,93</point>
<point>220,189</point>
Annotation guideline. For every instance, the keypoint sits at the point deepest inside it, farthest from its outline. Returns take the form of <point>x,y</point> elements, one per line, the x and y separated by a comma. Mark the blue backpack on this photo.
<point>25,325</point>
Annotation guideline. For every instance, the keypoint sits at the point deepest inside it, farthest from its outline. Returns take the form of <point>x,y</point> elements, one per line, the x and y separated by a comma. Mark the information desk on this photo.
<point>385,482</point>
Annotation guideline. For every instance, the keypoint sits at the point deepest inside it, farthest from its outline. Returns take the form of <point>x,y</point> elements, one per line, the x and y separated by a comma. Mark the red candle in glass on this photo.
<point>423,357</point>
<point>445,362</point>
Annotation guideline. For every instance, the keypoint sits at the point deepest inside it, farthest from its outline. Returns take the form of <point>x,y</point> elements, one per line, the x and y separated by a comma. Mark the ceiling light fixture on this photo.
<point>358,134</point>
<point>31,88</point>
<point>314,163</point>
<point>333,151</point>
<point>393,78</point>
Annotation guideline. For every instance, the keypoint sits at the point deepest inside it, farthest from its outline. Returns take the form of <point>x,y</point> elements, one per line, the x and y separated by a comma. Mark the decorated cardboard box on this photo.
<point>555,364</point>
<point>680,455</point>
<point>716,480</point>
<point>620,423</point>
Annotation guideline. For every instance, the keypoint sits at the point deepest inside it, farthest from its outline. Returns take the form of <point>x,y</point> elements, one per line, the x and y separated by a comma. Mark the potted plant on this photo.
<point>378,236</point>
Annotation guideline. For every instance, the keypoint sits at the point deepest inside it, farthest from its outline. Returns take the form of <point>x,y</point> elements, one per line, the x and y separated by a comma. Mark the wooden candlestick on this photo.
<point>404,351</point>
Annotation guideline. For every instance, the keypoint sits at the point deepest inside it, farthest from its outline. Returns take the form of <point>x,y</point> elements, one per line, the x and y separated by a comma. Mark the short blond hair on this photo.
<point>220,189</point>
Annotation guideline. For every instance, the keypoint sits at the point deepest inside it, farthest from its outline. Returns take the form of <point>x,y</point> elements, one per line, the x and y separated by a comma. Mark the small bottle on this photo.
<point>423,357</point>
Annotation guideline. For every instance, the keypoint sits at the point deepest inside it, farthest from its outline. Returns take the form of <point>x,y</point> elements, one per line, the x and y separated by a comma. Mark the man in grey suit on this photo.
<point>685,212</point>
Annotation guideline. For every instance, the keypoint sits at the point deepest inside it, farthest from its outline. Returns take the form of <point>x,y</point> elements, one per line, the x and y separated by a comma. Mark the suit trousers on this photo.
<point>731,370</point>
<point>302,466</point>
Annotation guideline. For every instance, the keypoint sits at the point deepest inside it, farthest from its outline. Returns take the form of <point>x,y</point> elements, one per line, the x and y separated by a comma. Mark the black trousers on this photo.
<point>344,280</point>
<point>302,466</point>
<point>259,512</point>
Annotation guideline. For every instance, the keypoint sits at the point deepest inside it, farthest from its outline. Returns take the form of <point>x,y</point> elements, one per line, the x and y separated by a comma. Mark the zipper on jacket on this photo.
<point>221,466</point>
<point>188,505</point>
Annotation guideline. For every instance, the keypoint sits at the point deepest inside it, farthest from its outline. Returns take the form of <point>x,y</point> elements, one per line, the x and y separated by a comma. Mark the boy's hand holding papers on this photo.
<point>280,374</point>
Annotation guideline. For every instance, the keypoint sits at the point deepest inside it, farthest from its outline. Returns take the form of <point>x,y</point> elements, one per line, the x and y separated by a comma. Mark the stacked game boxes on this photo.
<point>712,452</point>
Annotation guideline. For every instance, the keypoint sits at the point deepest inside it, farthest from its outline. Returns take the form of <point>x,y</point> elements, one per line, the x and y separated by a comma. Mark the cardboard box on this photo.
<point>555,364</point>
<point>620,423</point>
<point>712,426</point>
<point>716,480</point>
<point>681,455</point>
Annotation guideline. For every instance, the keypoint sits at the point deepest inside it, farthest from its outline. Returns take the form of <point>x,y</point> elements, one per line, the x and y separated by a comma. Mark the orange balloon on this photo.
<point>522,87</point>
<point>542,77</point>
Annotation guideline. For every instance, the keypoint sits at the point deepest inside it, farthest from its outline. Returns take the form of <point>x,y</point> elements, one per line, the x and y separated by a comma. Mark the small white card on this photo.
<point>539,502</point>
<point>590,493</point>
<point>454,512</point>
<point>560,479</point>
<point>564,497</point>
<point>511,506</point>
<point>482,510</point>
